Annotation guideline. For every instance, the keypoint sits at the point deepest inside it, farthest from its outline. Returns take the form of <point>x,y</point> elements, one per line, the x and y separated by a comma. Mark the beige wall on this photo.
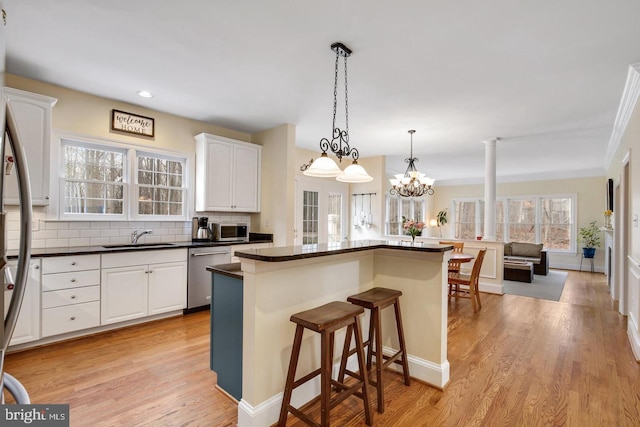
<point>630,147</point>
<point>278,166</point>
<point>90,115</point>
<point>590,205</point>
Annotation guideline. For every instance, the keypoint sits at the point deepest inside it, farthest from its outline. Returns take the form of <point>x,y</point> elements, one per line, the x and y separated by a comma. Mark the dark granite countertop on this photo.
<point>89,250</point>
<point>291,253</point>
<point>232,270</point>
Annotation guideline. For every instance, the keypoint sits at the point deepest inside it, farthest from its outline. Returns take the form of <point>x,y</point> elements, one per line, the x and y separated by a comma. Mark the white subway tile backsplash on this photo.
<point>68,234</point>
<point>99,241</point>
<point>89,233</point>
<point>56,243</point>
<point>52,233</point>
<point>109,232</point>
<point>56,225</point>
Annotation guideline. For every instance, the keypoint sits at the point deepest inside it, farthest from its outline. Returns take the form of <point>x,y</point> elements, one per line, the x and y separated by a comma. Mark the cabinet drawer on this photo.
<point>54,282</point>
<point>59,320</point>
<point>70,263</point>
<point>70,296</point>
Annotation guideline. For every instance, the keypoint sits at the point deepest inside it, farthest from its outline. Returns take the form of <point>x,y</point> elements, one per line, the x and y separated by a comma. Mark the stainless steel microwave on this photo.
<point>226,232</point>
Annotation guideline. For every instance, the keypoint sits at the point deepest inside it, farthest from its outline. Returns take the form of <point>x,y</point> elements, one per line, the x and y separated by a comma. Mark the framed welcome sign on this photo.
<point>132,123</point>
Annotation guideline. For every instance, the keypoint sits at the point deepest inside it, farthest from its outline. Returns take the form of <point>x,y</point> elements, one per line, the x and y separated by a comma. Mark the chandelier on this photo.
<point>412,183</point>
<point>339,144</point>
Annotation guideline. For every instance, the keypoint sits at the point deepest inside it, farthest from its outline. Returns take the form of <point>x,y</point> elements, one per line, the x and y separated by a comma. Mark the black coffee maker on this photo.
<point>201,233</point>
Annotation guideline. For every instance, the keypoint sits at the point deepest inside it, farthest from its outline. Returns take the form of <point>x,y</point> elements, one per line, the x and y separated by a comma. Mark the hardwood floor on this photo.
<point>518,362</point>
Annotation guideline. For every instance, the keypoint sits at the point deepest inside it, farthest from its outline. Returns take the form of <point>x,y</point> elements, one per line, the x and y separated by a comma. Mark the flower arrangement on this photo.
<point>607,218</point>
<point>411,227</point>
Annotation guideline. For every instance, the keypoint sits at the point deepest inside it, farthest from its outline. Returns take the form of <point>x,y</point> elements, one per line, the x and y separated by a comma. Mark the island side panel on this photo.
<point>273,291</point>
<point>422,279</point>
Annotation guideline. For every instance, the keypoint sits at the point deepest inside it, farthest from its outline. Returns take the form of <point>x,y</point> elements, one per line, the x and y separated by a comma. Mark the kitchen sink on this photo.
<point>138,245</point>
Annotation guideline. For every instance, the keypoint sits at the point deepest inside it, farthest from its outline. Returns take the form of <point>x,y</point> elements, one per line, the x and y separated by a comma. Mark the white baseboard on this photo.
<point>267,412</point>
<point>491,288</point>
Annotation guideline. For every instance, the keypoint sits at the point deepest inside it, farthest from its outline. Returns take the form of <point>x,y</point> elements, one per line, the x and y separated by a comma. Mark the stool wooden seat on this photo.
<point>325,320</point>
<point>376,300</point>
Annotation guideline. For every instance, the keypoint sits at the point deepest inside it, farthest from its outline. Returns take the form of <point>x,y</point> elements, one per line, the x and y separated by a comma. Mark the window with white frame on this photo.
<point>160,185</point>
<point>93,180</point>
<point>116,181</point>
<point>548,219</point>
<point>398,208</point>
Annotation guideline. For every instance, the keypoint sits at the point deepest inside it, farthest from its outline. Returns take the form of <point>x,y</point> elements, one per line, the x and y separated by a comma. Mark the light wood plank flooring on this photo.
<point>518,362</point>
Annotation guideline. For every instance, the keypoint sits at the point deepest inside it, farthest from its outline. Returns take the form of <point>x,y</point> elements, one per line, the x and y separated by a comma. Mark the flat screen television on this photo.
<point>609,201</point>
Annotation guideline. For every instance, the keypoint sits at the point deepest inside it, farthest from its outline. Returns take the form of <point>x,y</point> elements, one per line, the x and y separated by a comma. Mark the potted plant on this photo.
<point>441,219</point>
<point>590,238</point>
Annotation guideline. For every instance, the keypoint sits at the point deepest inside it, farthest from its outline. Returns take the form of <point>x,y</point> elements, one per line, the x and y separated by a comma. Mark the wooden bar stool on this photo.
<point>376,300</point>
<point>325,320</point>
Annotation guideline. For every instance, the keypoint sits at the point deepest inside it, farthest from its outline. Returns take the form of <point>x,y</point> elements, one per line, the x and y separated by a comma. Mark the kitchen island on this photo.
<point>279,282</point>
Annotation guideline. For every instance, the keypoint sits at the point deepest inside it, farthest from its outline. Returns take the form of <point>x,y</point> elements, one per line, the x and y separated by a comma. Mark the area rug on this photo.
<point>544,287</point>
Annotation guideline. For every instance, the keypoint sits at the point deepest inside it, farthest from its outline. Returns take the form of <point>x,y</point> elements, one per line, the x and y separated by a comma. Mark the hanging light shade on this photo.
<point>354,173</point>
<point>412,183</point>
<point>339,144</point>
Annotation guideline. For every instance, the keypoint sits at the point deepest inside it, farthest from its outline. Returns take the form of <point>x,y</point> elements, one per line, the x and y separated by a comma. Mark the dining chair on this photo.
<point>454,267</point>
<point>466,286</point>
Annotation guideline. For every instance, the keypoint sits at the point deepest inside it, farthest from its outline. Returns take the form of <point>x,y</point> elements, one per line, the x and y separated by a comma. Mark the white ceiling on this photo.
<point>545,76</point>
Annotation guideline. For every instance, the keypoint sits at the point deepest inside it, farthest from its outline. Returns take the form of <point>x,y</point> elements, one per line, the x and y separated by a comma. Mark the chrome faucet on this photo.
<point>135,235</point>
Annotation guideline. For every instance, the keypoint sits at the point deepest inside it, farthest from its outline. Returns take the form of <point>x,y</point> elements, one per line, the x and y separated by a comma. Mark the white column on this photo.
<point>490,189</point>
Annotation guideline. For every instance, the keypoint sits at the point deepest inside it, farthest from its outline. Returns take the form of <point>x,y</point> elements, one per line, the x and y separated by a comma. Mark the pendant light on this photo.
<point>412,183</point>
<point>339,144</point>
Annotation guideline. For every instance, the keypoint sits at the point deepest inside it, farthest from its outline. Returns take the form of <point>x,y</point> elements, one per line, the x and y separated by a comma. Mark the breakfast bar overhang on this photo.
<point>279,282</point>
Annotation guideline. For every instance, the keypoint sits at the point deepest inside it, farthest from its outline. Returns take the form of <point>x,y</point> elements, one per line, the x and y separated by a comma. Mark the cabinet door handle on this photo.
<point>73,317</point>
<point>150,271</point>
<point>37,267</point>
<point>73,263</point>
<point>73,297</point>
<point>73,280</point>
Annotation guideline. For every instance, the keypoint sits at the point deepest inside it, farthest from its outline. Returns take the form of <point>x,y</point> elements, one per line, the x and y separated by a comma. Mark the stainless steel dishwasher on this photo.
<point>199,279</point>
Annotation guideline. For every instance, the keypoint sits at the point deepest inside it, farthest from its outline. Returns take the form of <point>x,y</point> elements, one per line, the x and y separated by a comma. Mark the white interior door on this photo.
<point>321,211</point>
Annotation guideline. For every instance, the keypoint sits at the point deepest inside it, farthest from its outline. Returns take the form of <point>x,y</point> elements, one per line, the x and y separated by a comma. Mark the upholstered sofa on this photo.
<point>530,252</point>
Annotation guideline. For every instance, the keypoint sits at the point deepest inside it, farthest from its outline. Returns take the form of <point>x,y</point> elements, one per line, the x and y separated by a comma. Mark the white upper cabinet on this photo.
<point>227,174</point>
<point>33,116</point>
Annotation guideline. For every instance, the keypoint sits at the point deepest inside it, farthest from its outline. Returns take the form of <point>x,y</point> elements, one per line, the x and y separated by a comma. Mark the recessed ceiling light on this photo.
<point>145,94</point>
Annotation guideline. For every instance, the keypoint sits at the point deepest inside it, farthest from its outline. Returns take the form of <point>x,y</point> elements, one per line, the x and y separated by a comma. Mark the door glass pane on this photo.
<point>310,218</point>
<point>334,219</point>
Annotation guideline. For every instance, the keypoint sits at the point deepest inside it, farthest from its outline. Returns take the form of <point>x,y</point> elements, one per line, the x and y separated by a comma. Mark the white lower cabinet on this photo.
<point>124,293</point>
<point>70,294</point>
<point>28,324</point>
<point>167,287</point>
<point>131,290</point>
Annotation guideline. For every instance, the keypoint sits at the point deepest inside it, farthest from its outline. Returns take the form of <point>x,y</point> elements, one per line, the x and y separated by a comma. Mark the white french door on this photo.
<point>321,211</point>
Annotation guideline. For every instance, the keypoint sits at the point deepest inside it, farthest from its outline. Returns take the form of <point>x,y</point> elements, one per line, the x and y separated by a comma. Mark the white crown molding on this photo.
<point>542,176</point>
<point>630,96</point>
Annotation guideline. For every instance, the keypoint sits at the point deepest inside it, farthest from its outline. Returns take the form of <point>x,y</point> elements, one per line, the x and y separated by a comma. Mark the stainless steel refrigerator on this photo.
<point>13,162</point>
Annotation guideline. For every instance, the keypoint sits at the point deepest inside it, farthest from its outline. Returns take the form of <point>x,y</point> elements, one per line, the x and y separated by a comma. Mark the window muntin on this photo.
<point>93,180</point>
<point>399,207</point>
<point>522,220</point>
<point>160,185</point>
<point>334,220</point>
<point>536,219</point>
<point>465,219</point>
<point>310,218</point>
<point>111,181</point>
<point>556,222</point>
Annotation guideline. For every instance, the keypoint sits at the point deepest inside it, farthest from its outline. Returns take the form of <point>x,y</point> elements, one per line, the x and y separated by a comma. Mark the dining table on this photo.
<point>461,257</point>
